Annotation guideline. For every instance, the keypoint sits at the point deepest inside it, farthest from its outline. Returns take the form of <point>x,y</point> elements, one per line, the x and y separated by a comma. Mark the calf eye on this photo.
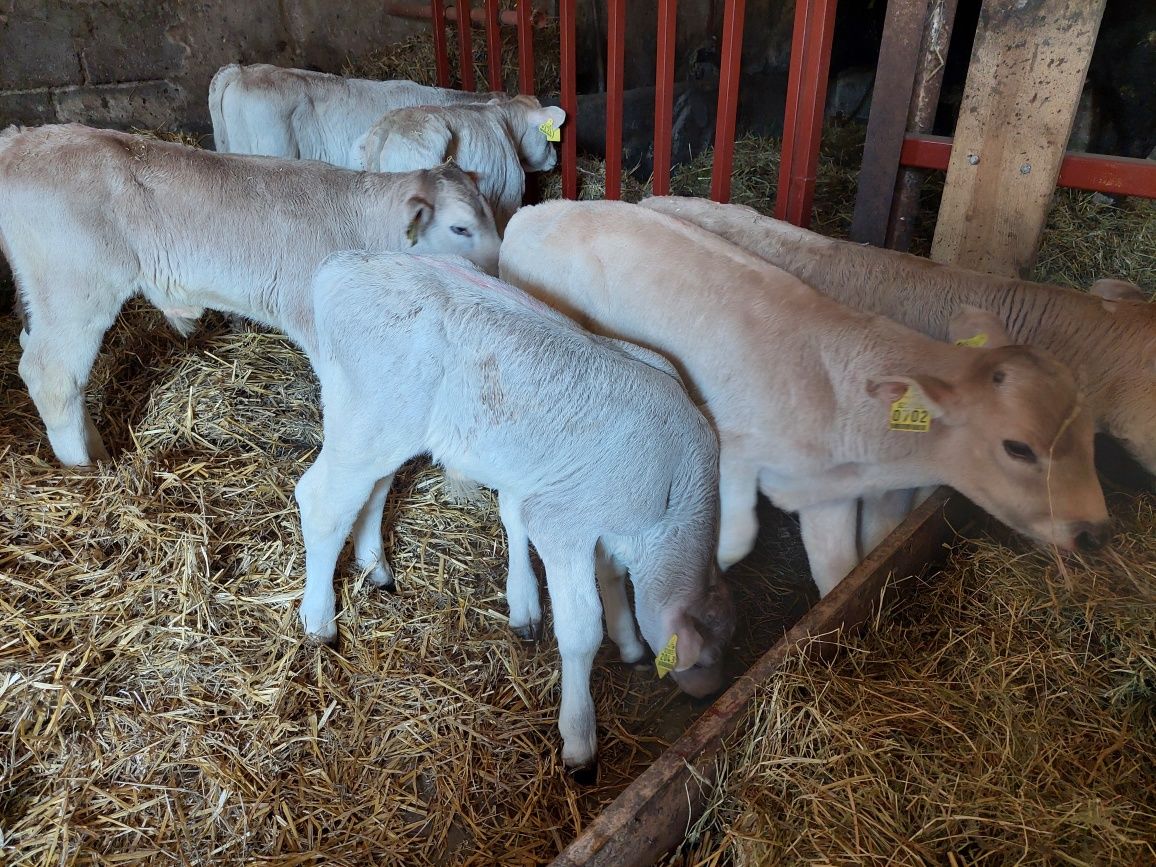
<point>997,377</point>
<point>460,230</point>
<point>1019,451</point>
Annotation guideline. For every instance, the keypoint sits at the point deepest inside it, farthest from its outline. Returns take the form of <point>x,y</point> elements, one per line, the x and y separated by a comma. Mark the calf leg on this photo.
<point>738,521</point>
<point>521,582</point>
<point>880,515</point>
<point>368,546</point>
<point>330,495</point>
<point>829,535</point>
<point>55,365</point>
<point>578,628</point>
<point>616,607</point>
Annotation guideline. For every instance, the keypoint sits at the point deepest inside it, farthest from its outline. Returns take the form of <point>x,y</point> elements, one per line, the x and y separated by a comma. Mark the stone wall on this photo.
<point>148,63</point>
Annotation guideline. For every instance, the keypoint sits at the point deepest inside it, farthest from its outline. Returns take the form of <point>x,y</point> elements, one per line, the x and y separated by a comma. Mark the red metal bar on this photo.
<point>568,60</point>
<point>806,95</point>
<point>437,11</point>
<point>1123,176</point>
<point>466,46</point>
<point>615,57</point>
<point>664,95</point>
<point>728,100</point>
<point>494,45</point>
<point>525,47</point>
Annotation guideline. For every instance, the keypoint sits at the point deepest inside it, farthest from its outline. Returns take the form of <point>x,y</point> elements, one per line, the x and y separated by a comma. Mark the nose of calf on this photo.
<point>1091,537</point>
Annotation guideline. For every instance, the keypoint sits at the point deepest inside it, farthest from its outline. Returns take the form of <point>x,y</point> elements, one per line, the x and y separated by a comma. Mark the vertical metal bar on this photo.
<point>494,45</point>
<point>567,26</point>
<point>441,50</point>
<point>466,46</point>
<point>526,47</point>
<point>806,96</point>
<point>920,119</point>
<point>615,57</point>
<point>890,101</point>
<point>664,95</point>
<point>728,100</point>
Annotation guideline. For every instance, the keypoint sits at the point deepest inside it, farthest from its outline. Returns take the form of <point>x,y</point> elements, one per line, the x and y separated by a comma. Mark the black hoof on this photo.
<point>530,632</point>
<point>587,775</point>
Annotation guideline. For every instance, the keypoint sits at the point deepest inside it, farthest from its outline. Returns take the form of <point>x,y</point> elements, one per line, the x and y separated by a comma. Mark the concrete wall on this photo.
<point>147,63</point>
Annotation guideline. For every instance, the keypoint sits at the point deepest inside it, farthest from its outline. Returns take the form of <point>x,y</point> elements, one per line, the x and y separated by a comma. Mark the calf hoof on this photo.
<point>532,631</point>
<point>325,634</point>
<point>381,576</point>
<point>585,775</point>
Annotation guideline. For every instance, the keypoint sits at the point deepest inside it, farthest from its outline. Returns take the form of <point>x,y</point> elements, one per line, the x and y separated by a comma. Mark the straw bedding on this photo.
<point>158,705</point>
<point>157,702</point>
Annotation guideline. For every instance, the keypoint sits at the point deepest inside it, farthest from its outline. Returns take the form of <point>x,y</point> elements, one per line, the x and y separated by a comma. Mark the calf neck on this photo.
<point>800,388</point>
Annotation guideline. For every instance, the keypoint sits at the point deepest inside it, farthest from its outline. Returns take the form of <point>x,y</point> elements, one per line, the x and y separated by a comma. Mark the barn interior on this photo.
<point>159,704</point>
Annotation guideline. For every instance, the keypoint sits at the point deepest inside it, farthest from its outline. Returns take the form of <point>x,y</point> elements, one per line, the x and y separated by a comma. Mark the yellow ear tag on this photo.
<point>551,132</point>
<point>666,661</point>
<point>977,341</point>
<point>908,413</point>
<point>411,233</point>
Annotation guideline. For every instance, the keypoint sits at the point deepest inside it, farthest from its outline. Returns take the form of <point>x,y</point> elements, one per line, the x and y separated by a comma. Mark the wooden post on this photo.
<point>1027,70</point>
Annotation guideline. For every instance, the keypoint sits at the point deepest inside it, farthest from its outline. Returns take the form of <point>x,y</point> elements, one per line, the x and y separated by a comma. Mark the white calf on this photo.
<point>591,443</point>
<point>296,113</point>
<point>496,142</point>
<point>89,218</point>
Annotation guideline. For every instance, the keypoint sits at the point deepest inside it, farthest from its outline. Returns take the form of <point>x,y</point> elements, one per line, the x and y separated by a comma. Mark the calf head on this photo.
<point>703,622</point>
<point>451,217</point>
<point>526,119</point>
<point>1015,438</point>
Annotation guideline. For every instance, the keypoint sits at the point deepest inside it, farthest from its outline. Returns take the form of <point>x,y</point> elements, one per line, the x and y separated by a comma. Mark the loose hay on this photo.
<point>1007,713</point>
<point>157,703</point>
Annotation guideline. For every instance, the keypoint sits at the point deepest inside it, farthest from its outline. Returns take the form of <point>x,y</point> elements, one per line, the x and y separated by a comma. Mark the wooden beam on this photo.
<point>1023,87</point>
<point>652,815</point>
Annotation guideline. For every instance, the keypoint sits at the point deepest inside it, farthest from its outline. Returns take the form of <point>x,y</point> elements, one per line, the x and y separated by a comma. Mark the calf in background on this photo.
<point>89,218</point>
<point>497,142</point>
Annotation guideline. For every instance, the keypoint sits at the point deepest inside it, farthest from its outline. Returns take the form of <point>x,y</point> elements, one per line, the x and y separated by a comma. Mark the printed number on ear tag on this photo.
<point>551,132</point>
<point>668,658</point>
<point>908,413</point>
<point>977,341</point>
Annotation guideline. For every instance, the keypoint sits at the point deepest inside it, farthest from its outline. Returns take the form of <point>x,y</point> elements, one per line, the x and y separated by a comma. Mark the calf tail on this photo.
<point>224,77</point>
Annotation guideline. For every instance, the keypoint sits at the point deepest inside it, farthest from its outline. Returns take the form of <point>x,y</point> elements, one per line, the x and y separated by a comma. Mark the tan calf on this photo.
<point>801,389</point>
<point>1109,340</point>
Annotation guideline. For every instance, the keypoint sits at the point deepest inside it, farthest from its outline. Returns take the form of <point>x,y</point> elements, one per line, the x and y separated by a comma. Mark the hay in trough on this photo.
<point>157,701</point>
<point>1006,713</point>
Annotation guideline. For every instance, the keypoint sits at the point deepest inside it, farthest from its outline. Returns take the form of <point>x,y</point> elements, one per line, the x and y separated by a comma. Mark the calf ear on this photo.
<point>940,398</point>
<point>419,213</point>
<point>971,322</point>
<point>549,112</point>
<point>1117,290</point>
<point>689,645</point>
<point>476,178</point>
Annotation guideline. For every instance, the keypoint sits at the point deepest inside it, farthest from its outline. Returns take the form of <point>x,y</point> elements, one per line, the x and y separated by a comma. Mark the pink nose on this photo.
<point>700,682</point>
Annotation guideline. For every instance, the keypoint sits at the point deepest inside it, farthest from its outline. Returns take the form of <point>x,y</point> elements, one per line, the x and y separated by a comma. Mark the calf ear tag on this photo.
<point>666,661</point>
<point>551,132</point>
<point>976,342</point>
<point>411,232</point>
<point>909,414</point>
